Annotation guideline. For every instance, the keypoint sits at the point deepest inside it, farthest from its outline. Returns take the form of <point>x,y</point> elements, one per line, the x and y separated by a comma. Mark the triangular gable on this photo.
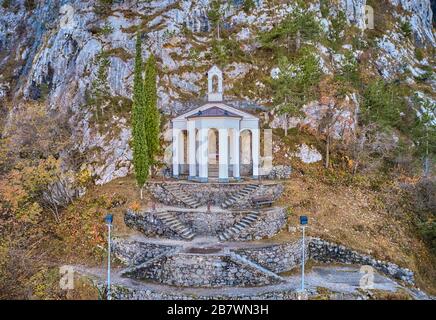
<point>220,105</point>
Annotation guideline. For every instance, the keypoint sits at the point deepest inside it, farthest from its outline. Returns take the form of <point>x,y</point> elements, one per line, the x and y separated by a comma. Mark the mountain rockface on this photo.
<point>54,52</point>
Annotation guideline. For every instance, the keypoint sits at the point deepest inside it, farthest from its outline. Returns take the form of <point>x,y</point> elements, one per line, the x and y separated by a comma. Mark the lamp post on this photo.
<point>108,219</point>
<point>303,222</point>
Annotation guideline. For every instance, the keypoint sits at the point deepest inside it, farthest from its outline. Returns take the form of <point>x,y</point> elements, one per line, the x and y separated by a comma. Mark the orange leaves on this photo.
<point>135,206</point>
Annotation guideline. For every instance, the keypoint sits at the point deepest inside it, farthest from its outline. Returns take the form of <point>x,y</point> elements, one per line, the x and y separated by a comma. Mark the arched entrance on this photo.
<point>184,162</point>
<point>213,152</point>
<point>214,146</point>
<point>246,152</point>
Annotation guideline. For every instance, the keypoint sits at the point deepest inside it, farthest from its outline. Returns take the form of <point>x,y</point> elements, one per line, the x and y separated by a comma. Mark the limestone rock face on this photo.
<point>308,154</point>
<point>50,52</point>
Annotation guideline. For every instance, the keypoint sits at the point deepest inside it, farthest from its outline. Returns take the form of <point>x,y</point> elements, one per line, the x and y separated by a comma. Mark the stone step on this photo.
<point>250,218</point>
<point>244,223</point>
<point>165,216</point>
<point>176,225</point>
<point>234,230</point>
<point>187,234</point>
<point>239,195</point>
<point>221,237</point>
<point>239,226</point>
<point>182,196</point>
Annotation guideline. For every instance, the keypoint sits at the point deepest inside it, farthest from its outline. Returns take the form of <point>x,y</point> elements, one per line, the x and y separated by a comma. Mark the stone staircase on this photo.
<point>190,201</point>
<point>213,170</point>
<point>176,225</point>
<point>240,195</point>
<point>239,226</point>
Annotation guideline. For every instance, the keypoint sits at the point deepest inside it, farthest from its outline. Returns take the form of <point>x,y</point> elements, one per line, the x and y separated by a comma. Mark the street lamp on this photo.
<point>303,222</point>
<point>108,220</point>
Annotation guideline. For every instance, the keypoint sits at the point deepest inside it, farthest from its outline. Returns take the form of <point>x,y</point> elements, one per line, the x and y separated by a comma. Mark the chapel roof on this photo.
<point>214,111</point>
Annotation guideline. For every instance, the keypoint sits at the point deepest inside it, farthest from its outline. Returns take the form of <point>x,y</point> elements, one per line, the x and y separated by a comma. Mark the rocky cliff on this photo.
<point>51,52</point>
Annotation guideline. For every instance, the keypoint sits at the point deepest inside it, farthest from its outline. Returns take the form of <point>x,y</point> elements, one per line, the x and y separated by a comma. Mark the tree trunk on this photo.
<point>426,159</point>
<point>327,152</point>
<point>298,41</point>
<point>287,43</point>
<point>141,192</point>
<point>285,125</point>
<point>218,29</point>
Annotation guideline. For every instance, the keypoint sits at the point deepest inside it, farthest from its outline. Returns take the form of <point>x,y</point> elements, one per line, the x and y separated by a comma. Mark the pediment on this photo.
<point>215,110</point>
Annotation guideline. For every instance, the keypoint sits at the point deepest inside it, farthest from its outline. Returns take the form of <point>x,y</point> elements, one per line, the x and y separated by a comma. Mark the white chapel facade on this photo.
<point>215,140</point>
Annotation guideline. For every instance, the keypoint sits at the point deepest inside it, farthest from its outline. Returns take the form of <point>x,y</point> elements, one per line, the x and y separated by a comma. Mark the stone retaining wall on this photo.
<point>278,257</point>
<point>328,252</point>
<point>213,193</point>
<point>200,270</point>
<point>149,224</point>
<point>208,224</point>
<point>125,293</point>
<point>132,252</point>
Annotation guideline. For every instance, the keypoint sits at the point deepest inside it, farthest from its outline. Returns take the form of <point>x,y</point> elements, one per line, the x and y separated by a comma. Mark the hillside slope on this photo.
<point>66,77</point>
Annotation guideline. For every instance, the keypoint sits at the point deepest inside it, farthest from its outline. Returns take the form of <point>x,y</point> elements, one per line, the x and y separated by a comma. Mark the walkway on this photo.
<point>340,280</point>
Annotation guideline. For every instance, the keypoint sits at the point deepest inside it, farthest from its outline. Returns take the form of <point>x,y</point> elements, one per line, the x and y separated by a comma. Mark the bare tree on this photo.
<point>326,128</point>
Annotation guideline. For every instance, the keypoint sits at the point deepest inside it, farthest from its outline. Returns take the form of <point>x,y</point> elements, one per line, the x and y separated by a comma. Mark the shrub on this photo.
<point>427,230</point>
<point>406,28</point>
<point>6,4</point>
<point>29,5</point>
<point>248,5</point>
<point>382,104</point>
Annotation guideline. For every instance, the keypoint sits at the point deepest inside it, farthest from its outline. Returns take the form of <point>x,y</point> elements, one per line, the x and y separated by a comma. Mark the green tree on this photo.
<point>139,115</point>
<point>248,5</point>
<point>6,4</point>
<point>348,76</point>
<point>152,116</point>
<point>339,24</point>
<point>296,84</point>
<point>100,91</point>
<point>300,25</point>
<point>406,28</point>
<point>424,130</point>
<point>383,105</point>
<point>214,15</point>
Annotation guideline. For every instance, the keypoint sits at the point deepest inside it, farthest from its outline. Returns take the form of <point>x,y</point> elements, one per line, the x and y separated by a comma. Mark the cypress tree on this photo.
<point>152,115</point>
<point>139,129</point>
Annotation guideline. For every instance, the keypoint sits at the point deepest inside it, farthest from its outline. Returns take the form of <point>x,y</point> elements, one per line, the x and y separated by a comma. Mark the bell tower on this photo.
<point>214,84</point>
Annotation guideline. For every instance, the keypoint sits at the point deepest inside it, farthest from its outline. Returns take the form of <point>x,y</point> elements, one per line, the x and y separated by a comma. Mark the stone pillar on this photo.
<point>236,151</point>
<point>191,150</point>
<point>176,135</point>
<point>202,155</point>
<point>223,156</point>
<point>256,152</point>
<point>181,152</point>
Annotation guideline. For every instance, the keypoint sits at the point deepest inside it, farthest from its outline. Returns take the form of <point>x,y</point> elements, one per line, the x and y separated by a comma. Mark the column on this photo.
<point>223,156</point>
<point>192,150</point>
<point>266,163</point>
<point>256,153</point>
<point>202,155</point>
<point>181,152</point>
<point>176,134</point>
<point>236,151</point>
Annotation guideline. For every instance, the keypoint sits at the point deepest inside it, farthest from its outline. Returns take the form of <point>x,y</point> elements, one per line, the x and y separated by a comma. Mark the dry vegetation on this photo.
<point>378,223</point>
